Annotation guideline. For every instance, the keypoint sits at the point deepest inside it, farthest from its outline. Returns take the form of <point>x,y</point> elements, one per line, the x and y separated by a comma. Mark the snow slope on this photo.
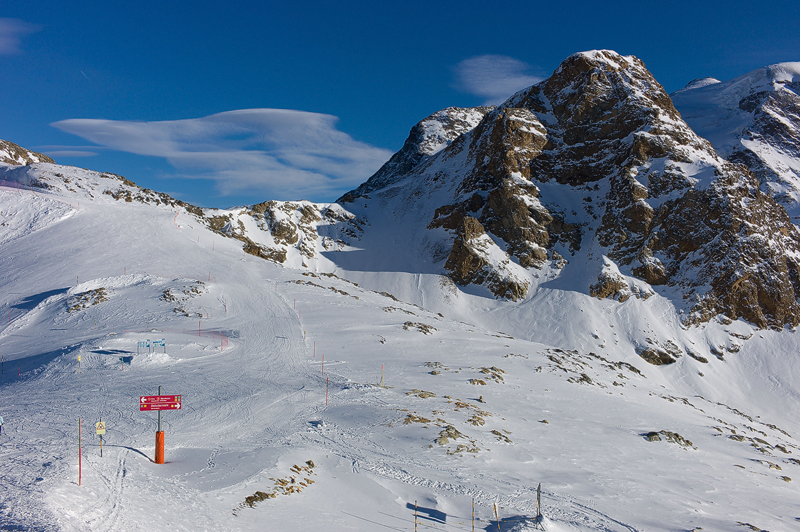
<point>432,403</point>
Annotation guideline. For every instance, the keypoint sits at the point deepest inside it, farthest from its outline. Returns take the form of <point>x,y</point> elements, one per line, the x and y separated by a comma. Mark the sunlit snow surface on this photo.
<point>245,341</point>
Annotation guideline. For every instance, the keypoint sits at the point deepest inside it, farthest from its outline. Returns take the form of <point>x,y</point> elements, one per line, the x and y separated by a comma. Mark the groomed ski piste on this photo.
<point>311,402</point>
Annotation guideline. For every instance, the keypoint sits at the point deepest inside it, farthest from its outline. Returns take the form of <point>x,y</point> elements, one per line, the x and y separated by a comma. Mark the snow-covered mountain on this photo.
<point>572,288</point>
<point>755,120</point>
<point>594,172</point>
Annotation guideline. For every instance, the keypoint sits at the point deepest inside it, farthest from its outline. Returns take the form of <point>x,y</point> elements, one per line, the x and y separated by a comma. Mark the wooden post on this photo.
<point>497,516</point>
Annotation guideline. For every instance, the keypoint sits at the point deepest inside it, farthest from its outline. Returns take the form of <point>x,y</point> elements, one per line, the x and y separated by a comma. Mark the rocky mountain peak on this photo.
<point>597,157</point>
<point>426,138</point>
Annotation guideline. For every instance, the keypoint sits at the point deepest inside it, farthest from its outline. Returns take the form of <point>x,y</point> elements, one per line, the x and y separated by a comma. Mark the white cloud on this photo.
<point>494,77</point>
<point>11,32</point>
<point>272,153</point>
<point>69,153</point>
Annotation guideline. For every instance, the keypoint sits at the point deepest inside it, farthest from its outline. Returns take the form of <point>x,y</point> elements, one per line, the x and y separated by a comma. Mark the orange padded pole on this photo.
<point>160,447</point>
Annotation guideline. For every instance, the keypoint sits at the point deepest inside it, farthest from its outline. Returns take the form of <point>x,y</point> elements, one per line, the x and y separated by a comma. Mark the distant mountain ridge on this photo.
<point>753,119</point>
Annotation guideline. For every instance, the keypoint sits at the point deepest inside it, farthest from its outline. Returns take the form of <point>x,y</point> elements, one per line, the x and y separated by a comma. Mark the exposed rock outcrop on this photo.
<point>11,153</point>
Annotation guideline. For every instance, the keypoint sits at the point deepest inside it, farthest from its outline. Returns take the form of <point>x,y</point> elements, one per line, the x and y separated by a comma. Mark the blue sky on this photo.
<point>224,104</point>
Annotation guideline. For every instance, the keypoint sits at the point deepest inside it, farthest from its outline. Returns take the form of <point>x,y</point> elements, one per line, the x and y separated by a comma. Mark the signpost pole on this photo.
<point>159,402</point>
<point>159,438</point>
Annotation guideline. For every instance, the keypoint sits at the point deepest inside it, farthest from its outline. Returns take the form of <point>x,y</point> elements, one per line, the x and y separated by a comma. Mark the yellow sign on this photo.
<point>100,428</point>
<point>79,358</point>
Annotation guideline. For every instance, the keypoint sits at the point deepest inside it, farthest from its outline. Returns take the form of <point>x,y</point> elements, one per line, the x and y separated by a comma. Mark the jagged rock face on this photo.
<point>11,153</point>
<point>775,128</point>
<point>498,189</point>
<point>427,138</point>
<point>470,262</point>
<point>741,243</point>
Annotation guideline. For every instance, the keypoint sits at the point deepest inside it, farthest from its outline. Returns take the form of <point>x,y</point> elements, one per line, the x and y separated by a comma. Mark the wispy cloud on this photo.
<point>69,153</point>
<point>11,32</point>
<point>274,153</point>
<point>494,77</point>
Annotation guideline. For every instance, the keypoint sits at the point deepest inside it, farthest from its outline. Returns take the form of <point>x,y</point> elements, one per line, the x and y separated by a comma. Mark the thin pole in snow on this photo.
<point>415,516</point>
<point>473,514</point>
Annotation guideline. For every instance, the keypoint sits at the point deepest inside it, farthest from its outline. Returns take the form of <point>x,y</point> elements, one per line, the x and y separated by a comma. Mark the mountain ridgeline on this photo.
<point>590,179</point>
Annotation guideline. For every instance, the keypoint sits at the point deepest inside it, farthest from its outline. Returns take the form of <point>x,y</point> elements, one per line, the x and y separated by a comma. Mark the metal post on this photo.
<point>159,412</point>
<point>159,458</point>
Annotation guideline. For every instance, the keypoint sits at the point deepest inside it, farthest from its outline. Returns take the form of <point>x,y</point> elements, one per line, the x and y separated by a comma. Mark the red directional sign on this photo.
<point>159,402</point>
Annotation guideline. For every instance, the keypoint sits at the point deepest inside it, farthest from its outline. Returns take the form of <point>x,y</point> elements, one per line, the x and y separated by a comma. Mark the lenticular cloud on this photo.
<point>284,153</point>
<point>494,77</point>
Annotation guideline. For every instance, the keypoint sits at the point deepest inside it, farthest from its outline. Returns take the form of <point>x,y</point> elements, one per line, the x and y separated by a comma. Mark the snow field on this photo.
<point>255,409</point>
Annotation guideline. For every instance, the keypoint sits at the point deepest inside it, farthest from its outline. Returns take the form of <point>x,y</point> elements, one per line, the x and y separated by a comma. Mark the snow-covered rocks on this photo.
<point>11,153</point>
